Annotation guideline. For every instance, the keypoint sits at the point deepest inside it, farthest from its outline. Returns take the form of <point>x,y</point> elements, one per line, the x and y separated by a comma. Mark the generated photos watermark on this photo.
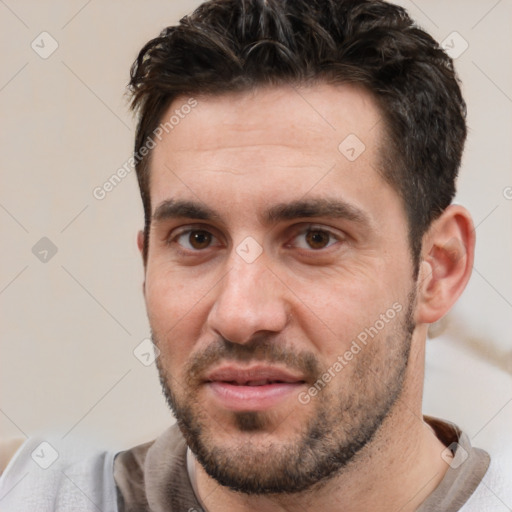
<point>344,359</point>
<point>101,191</point>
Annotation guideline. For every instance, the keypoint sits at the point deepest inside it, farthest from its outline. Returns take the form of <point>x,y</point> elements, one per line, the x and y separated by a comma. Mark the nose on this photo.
<point>250,300</point>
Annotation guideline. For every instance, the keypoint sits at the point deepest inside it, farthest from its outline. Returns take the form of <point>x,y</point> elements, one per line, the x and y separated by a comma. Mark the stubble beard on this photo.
<point>342,420</point>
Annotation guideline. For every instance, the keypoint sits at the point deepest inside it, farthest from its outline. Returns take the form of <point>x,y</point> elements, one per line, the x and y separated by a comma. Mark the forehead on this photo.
<point>318,116</point>
<point>276,142</point>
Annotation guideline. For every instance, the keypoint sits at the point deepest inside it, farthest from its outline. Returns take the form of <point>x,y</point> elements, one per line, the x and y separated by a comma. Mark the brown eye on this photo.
<point>199,239</point>
<point>317,239</point>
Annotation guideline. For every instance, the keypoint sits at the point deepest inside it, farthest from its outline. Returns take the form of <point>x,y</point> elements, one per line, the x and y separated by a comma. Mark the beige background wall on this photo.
<point>69,324</point>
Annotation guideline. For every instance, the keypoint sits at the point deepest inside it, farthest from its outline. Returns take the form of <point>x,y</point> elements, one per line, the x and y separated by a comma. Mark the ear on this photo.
<point>140,241</point>
<point>446,263</point>
<point>140,245</point>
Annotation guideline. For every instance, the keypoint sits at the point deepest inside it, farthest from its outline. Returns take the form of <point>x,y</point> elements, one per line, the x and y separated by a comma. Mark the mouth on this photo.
<point>254,388</point>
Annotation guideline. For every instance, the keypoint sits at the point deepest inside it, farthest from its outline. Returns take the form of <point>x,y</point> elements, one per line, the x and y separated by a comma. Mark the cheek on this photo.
<point>340,312</point>
<point>172,293</point>
<point>176,310</point>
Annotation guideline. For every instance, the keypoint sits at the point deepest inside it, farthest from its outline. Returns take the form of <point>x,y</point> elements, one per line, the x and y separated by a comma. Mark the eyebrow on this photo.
<point>304,208</point>
<point>334,208</point>
<point>172,208</point>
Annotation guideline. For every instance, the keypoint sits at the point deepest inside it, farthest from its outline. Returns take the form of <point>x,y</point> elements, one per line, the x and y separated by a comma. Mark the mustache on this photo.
<point>262,348</point>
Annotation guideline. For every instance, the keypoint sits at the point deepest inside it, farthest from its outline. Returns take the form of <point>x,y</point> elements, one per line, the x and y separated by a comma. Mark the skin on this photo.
<point>239,155</point>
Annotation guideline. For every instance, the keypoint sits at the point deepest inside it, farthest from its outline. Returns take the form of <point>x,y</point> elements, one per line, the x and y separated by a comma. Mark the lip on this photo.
<point>242,375</point>
<point>253,388</point>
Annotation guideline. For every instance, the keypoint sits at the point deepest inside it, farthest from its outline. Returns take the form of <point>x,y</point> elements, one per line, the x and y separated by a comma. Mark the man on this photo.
<point>297,163</point>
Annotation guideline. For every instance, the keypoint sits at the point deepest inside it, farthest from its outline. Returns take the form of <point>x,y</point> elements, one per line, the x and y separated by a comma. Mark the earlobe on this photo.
<point>447,262</point>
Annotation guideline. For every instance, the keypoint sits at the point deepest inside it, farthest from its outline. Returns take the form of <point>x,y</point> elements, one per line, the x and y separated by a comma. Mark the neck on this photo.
<point>397,470</point>
<point>396,476</point>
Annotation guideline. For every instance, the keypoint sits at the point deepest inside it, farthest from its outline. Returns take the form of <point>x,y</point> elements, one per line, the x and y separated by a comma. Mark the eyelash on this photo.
<point>188,232</point>
<point>334,237</point>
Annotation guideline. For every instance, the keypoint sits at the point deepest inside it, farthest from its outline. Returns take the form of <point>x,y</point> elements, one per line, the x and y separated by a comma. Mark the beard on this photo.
<point>343,417</point>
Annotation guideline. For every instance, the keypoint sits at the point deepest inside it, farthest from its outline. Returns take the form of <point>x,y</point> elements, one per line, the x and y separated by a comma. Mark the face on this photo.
<point>278,283</point>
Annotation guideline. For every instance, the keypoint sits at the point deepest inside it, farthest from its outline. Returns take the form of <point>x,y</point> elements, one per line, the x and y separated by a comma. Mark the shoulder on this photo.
<point>56,476</point>
<point>150,471</point>
<point>494,494</point>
